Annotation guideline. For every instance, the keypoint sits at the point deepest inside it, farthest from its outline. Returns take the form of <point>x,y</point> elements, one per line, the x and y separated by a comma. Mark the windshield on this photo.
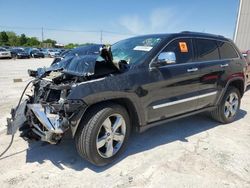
<point>18,50</point>
<point>133,49</point>
<point>35,51</point>
<point>2,50</point>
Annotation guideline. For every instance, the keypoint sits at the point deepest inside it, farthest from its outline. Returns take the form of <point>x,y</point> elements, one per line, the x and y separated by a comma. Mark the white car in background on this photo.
<point>5,53</point>
<point>53,53</point>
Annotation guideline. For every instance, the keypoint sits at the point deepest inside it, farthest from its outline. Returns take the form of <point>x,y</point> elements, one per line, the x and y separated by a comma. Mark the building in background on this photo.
<point>242,30</point>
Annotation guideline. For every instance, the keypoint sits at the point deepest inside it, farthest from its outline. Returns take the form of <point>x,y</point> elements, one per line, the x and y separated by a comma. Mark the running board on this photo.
<point>161,122</point>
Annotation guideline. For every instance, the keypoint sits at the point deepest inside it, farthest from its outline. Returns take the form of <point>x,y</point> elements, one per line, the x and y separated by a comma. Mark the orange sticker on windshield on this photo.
<point>183,47</point>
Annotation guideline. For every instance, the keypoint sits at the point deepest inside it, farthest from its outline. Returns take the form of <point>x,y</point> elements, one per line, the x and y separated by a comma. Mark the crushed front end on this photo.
<point>46,114</point>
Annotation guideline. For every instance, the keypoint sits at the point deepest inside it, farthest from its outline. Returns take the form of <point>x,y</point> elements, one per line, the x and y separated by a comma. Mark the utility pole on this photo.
<point>42,36</point>
<point>101,37</point>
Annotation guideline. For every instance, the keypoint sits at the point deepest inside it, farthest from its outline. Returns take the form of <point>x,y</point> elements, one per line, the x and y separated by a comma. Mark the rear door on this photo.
<point>229,58</point>
<point>211,69</point>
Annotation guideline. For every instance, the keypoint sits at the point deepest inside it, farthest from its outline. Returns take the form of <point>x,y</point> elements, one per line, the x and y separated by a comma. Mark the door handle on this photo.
<point>192,70</point>
<point>223,65</point>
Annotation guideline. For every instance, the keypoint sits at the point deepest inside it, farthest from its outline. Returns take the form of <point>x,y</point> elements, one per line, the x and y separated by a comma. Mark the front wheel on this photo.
<point>103,134</point>
<point>229,106</point>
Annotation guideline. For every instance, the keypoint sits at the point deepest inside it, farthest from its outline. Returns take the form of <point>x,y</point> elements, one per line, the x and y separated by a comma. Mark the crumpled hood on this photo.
<point>75,65</point>
<point>85,65</point>
<point>82,65</point>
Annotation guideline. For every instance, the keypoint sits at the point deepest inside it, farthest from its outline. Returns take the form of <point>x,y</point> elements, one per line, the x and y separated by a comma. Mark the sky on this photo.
<point>80,21</point>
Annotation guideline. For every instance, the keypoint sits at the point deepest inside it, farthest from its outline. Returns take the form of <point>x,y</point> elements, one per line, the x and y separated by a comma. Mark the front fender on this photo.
<point>107,89</point>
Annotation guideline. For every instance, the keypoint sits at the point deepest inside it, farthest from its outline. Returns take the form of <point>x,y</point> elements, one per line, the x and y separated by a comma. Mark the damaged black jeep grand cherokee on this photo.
<point>136,83</point>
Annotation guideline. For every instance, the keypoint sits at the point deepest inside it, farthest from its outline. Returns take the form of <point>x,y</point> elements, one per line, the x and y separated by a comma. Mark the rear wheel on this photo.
<point>103,134</point>
<point>229,106</point>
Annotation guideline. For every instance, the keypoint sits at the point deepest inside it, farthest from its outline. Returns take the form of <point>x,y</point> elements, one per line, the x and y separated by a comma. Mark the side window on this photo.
<point>207,50</point>
<point>226,50</point>
<point>183,50</point>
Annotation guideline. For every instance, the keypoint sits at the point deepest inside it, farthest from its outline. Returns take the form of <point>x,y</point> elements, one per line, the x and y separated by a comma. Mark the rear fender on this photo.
<point>228,84</point>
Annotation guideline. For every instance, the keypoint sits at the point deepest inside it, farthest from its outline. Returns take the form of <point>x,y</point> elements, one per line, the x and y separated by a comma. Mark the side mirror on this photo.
<point>166,58</point>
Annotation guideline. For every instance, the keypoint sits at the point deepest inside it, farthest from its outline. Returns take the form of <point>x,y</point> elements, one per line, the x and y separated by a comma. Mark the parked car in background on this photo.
<point>53,53</point>
<point>45,52</point>
<point>4,53</point>
<point>62,50</point>
<point>7,47</point>
<point>19,53</point>
<point>246,54</point>
<point>35,53</point>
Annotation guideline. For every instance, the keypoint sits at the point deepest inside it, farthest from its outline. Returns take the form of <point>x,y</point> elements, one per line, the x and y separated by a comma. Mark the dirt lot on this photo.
<point>191,152</point>
<point>10,91</point>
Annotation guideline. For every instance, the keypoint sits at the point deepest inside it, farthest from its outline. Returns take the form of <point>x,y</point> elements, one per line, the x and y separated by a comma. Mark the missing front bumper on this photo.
<point>35,120</point>
<point>48,126</point>
<point>17,119</point>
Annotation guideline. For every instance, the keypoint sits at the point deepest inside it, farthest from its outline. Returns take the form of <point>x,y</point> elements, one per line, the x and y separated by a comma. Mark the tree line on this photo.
<point>9,38</point>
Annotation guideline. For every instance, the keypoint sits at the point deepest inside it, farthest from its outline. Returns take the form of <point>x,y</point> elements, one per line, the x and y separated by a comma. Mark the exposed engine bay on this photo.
<point>47,114</point>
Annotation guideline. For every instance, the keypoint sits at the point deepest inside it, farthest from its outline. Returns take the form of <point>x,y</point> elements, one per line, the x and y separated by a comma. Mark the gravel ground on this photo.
<point>10,91</point>
<point>191,152</point>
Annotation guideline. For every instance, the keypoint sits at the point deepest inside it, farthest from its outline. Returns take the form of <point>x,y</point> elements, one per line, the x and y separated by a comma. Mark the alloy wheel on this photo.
<point>231,105</point>
<point>111,135</point>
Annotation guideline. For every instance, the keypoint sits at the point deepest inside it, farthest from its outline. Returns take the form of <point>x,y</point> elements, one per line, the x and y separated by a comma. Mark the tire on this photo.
<point>219,114</point>
<point>92,131</point>
<point>14,56</point>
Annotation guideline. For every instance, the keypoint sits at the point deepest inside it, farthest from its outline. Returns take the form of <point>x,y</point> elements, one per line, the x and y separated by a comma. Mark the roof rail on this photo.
<point>221,36</point>
<point>185,32</point>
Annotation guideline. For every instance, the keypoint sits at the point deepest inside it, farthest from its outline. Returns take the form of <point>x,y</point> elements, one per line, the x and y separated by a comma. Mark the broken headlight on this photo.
<point>71,106</point>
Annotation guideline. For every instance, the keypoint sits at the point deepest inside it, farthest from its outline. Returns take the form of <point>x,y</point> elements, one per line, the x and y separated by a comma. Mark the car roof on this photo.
<point>17,49</point>
<point>185,34</point>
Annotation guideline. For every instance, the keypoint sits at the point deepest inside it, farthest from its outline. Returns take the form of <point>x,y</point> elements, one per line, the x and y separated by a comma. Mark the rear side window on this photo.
<point>207,50</point>
<point>226,50</point>
<point>183,50</point>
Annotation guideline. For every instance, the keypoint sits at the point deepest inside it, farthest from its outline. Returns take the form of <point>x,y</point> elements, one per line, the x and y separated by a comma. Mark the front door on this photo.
<point>176,86</point>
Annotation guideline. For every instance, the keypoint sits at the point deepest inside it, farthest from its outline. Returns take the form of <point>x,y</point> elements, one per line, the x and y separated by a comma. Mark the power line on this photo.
<point>67,30</point>
<point>19,27</point>
<point>42,29</point>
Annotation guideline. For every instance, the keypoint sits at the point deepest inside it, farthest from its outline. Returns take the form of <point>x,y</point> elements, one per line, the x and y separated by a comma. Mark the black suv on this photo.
<point>136,83</point>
